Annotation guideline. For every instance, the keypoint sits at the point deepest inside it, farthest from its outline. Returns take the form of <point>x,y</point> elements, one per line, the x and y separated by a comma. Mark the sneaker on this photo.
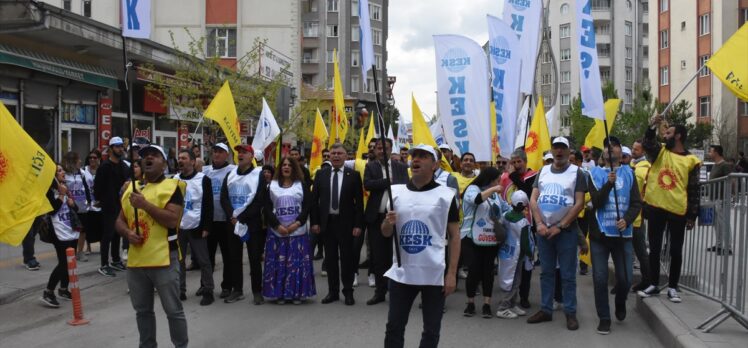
<point>199,291</point>
<point>355,280</point>
<point>486,311</point>
<point>106,271</point>
<point>33,265</point>
<point>506,314</point>
<point>207,298</point>
<point>604,327</point>
<point>118,266</point>
<point>372,281</point>
<point>64,294</point>
<point>638,287</point>
<point>323,273</point>
<point>296,301</point>
<point>257,299</point>
<point>519,311</point>
<point>621,311</point>
<point>224,293</point>
<point>462,274</point>
<point>469,310</point>
<point>649,291</point>
<point>124,255</point>
<point>673,296</point>
<point>235,296</point>
<point>80,256</point>
<point>280,301</point>
<point>48,297</point>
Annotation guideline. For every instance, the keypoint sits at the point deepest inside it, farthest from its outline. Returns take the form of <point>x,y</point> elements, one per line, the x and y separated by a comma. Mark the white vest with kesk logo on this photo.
<point>74,183</point>
<point>242,189</point>
<point>61,221</point>
<point>193,201</point>
<point>556,193</point>
<point>482,231</point>
<point>216,180</point>
<point>287,205</point>
<point>421,230</point>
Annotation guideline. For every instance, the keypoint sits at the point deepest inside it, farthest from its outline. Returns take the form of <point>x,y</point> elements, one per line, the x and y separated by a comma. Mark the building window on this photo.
<point>664,5</point>
<point>355,83</point>
<point>565,99</point>
<point>629,53</point>
<point>369,85</point>
<point>66,5</point>
<point>629,74</point>
<point>332,5</point>
<point>564,31</point>
<point>330,55</point>
<point>645,7</point>
<point>704,24</point>
<point>332,30</point>
<point>310,56</point>
<point>564,8</point>
<point>629,28</point>
<point>329,83</point>
<point>547,33</point>
<point>600,4</point>
<point>629,97</point>
<point>378,61</point>
<point>565,121</point>
<point>355,58</point>
<point>743,108</point>
<point>546,55</point>
<point>375,13</point>
<point>354,8</point>
<point>603,50</point>
<point>645,51</point>
<point>744,15</point>
<point>566,76</point>
<point>704,70</point>
<point>222,42</point>
<point>664,76</point>
<point>355,33</point>
<point>602,28</point>
<point>311,6</point>
<point>311,29</point>
<point>628,4</point>
<point>546,79</point>
<point>376,36</point>
<point>605,74</point>
<point>664,39</point>
<point>87,8</point>
<point>705,109</point>
<point>566,54</point>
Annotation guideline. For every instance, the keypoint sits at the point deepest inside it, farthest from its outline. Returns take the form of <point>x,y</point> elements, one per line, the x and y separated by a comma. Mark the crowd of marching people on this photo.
<point>424,225</point>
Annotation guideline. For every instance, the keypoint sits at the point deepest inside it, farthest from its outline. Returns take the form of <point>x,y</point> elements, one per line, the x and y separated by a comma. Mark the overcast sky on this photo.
<point>410,45</point>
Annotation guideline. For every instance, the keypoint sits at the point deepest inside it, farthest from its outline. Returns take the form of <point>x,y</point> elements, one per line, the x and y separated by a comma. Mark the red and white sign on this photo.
<point>105,121</point>
<point>245,129</point>
<point>145,133</point>
<point>183,133</point>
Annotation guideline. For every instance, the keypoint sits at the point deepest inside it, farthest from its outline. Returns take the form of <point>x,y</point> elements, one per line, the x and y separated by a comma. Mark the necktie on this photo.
<point>335,190</point>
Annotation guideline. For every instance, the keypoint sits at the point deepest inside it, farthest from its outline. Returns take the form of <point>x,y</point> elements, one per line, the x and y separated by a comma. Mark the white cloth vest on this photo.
<point>62,224</point>
<point>421,229</point>
<point>556,193</point>
<point>90,181</point>
<point>482,229</point>
<point>287,205</point>
<point>193,201</point>
<point>509,253</point>
<point>242,191</point>
<point>74,183</point>
<point>216,180</point>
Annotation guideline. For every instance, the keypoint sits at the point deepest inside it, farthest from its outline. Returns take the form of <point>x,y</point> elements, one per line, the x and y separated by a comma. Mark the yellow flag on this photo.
<point>223,111</point>
<point>339,126</point>
<point>495,150</point>
<point>596,135</point>
<point>318,141</point>
<point>26,173</point>
<point>363,142</point>
<point>730,64</point>
<point>538,138</point>
<point>422,134</point>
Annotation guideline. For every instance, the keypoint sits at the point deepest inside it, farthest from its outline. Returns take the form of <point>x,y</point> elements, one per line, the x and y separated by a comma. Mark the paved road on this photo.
<point>26,323</point>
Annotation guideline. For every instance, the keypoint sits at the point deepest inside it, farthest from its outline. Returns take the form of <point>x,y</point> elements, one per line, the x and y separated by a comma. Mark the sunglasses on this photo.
<point>502,163</point>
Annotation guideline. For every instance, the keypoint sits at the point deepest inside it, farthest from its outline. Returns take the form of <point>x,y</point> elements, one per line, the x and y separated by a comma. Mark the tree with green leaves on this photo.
<point>699,133</point>
<point>631,125</point>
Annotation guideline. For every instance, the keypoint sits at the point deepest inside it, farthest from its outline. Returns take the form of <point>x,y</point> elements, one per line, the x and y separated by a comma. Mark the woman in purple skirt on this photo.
<point>289,274</point>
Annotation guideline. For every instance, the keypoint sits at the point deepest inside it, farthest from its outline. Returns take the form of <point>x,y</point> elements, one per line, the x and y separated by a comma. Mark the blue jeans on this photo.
<point>562,247</point>
<point>622,251</point>
<point>401,299</point>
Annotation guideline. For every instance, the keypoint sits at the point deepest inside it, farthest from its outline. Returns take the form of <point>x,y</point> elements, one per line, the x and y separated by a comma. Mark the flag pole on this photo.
<point>527,126</point>
<point>610,156</point>
<point>128,67</point>
<point>380,122</point>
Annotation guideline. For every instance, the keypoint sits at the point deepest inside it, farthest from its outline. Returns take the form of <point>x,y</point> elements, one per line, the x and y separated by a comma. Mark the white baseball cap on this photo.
<point>445,147</point>
<point>518,197</point>
<point>116,141</point>
<point>423,147</point>
<point>626,151</point>
<point>151,146</point>
<point>221,146</point>
<point>547,156</point>
<point>560,140</point>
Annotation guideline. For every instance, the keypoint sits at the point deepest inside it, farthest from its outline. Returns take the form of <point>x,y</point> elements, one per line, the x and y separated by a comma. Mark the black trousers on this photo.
<point>524,284</point>
<point>219,237</point>
<point>401,300</point>
<point>381,253</point>
<point>255,248</point>
<point>109,238</point>
<point>28,245</point>
<point>339,246</point>
<point>676,227</point>
<point>60,273</point>
<point>481,270</point>
<point>640,250</point>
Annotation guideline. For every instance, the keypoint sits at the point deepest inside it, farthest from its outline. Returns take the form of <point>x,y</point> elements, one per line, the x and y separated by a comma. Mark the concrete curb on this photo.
<point>18,293</point>
<point>669,329</point>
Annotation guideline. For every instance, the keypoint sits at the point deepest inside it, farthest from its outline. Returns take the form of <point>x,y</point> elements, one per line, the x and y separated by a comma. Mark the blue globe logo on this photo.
<point>415,237</point>
<point>501,52</point>
<point>520,5</point>
<point>481,222</point>
<point>455,60</point>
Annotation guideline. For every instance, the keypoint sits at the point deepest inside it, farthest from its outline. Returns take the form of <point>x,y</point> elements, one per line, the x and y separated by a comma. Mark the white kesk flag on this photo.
<point>589,69</point>
<point>267,129</point>
<point>391,136</point>
<point>524,18</point>
<point>463,94</point>
<point>367,48</point>
<point>550,119</point>
<point>402,133</point>
<point>522,125</point>
<point>505,55</point>
<point>136,18</point>
<point>437,131</point>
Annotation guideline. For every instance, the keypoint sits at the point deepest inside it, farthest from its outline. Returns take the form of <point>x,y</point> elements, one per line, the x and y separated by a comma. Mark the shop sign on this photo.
<point>105,121</point>
<point>145,133</point>
<point>183,133</point>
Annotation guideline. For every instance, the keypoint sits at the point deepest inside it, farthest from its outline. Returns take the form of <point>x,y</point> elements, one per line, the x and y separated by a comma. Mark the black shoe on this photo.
<point>638,287</point>
<point>524,303</point>
<point>722,251</point>
<point>571,322</point>
<point>604,327</point>
<point>712,248</point>
<point>235,296</point>
<point>486,311</point>
<point>199,291</point>
<point>613,290</point>
<point>375,299</point>
<point>118,266</point>
<point>469,310</point>
<point>349,301</point>
<point>106,271</point>
<point>48,297</point>
<point>207,298</point>
<point>225,293</point>
<point>33,265</point>
<point>583,269</point>
<point>64,294</point>
<point>257,299</point>
<point>621,311</point>
<point>364,264</point>
<point>183,296</point>
<point>330,298</point>
<point>539,317</point>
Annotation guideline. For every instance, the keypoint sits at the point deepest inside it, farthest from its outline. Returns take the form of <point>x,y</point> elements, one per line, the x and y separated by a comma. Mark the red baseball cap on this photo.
<point>245,147</point>
<point>585,148</point>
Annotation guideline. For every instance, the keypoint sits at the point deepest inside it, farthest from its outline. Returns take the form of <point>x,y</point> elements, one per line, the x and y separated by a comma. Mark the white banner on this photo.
<point>522,125</point>
<point>402,133</point>
<point>267,128</point>
<point>463,94</point>
<point>589,70</point>
<point>136,18</point>
<point>550,119</point>
<point>437,131</point>
<point>367,48</point>
<point>524,18</point>
<point>505,53</point>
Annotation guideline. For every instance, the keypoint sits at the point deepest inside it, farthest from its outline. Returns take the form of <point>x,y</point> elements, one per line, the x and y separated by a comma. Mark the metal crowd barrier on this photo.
<point>715,252</point>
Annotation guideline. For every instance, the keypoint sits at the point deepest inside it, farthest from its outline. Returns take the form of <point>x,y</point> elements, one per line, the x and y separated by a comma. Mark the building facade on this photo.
<point>685,33</point>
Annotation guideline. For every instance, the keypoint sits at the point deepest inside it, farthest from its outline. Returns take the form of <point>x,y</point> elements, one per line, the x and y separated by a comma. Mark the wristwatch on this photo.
<point>562,226</point>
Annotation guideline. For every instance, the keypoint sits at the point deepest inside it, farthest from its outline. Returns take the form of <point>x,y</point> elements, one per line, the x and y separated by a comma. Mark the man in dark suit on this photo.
<point>337,197</point>
<point>376,183</point>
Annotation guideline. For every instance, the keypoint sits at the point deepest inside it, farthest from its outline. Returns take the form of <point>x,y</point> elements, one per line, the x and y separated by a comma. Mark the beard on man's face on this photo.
<point>670,143</point>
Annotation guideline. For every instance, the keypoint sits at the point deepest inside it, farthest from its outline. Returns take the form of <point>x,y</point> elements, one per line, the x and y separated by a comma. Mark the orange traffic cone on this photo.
<point>75,290</point>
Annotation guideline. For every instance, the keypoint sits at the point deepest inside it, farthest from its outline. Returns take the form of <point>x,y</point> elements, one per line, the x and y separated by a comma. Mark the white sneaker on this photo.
<point>519,311</point>
<point>672,294</point>
<point>355,280</point>
<point>124,255</point>
<point>506,314</point>
<point>462,274</point>
<point>372,281</point>
<point>324,273</point>
<point>649,291</point>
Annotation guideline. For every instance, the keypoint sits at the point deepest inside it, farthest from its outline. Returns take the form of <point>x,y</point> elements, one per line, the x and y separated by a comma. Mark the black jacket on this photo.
<point>109,179</point>
<point>377,184</point>
<point>351,202</point>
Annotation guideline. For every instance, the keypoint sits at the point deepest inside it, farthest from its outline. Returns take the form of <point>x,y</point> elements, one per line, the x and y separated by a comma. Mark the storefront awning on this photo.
<point>58,66</point>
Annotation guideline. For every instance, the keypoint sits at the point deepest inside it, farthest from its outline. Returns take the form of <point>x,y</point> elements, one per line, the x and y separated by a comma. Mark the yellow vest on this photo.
<point>154,252</point>
<point>463,182</point>
<point>640,171</point>
<point>667,181</point>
